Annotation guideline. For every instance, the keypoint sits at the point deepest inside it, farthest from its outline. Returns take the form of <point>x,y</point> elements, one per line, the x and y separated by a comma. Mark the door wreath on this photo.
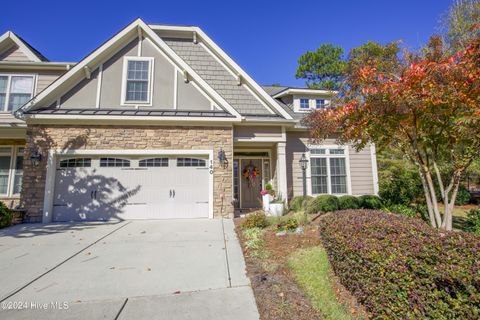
<point>251,173</point>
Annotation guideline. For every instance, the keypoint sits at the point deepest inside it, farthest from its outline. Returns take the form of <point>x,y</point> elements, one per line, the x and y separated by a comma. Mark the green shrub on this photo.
<point>348,202</point>
<point>370,202</point>
<point>473,221</point>
<point>463,196</point>
<point>399,181</point>
<point>327,203</point>
<point>403,210</point>
<point>401,268</point>
<point>296,204</point>
<point>255,220</point>
<point>5,216</point>
<point>312,206</point>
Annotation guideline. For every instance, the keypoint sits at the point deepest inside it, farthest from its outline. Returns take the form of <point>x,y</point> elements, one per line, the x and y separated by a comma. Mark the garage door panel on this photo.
<point>123,188</point>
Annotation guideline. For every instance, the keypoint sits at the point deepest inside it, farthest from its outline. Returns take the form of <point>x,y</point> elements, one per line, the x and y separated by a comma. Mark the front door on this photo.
<point>251,183</point>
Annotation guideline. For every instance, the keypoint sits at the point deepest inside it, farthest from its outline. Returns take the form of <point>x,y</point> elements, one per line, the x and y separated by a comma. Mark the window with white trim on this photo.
<point>15,91</point>
<point>304,103</point>
<point>320,103</point>
<point>328,170</point>
<point>11,170</point>
<point>137,80</point>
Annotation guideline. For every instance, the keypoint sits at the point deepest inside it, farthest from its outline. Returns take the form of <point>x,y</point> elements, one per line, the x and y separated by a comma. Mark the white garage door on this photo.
<point>106,188</point>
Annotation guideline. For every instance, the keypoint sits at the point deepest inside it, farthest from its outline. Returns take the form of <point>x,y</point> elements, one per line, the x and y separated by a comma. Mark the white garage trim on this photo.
<point>53,156</point>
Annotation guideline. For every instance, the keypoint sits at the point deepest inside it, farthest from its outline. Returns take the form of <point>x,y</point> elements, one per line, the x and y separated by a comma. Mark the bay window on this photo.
<point>15,91</point>
<point>328,170</point>
<point>11,171</point>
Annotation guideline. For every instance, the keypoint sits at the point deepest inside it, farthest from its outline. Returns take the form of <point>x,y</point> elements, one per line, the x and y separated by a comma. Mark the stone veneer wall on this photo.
<point>45,137</point>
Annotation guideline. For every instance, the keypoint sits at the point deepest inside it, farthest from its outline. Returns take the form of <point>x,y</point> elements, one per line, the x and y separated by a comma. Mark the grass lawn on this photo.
<point>313,272</point>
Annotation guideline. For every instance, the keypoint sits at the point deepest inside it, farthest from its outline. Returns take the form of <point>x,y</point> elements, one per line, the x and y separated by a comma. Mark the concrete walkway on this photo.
<point>143,269</point>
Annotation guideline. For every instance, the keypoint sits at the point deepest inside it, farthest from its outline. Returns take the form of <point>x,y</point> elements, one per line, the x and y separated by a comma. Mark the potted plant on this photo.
<point>277,207</point>
<point>267,196</point>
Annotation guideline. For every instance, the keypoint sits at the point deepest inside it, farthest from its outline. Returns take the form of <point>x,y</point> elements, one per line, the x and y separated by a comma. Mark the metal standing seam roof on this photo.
<point>220,79</point>
<point>130,112</point>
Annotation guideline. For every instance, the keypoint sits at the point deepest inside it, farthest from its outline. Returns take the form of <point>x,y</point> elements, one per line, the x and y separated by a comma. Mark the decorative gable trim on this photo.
<point>26,49</point>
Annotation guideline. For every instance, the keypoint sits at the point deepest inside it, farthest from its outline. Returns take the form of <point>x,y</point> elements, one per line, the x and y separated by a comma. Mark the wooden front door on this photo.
<point>251,184</point>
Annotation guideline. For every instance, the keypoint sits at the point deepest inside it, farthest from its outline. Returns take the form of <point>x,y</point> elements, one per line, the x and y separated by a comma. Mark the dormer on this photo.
<point>304,100</point>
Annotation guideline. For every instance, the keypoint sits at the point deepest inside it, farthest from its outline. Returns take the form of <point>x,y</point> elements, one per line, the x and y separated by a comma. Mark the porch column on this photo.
<point>282,170</point>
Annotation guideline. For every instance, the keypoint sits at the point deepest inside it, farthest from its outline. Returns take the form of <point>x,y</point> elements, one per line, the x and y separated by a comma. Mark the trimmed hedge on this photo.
<point>348,202</point>
<point>327,203</point>
<point>296,204</point>
<point>370,202</point>
<point>255,220</point>
<point>401,268</point>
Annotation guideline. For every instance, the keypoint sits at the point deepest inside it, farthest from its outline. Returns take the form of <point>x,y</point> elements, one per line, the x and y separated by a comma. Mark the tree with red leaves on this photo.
<point>428,107</point>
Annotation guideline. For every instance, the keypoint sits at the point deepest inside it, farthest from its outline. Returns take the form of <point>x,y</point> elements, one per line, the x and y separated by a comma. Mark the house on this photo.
<point>158,122</point>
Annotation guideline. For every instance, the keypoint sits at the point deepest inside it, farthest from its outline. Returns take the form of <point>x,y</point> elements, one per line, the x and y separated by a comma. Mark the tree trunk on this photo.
<point>428,200</point>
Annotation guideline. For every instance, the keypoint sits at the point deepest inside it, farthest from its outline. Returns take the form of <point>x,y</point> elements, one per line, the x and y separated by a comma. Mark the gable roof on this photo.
<point>107,49</point>
<point>224,74</point>
<point>9,38</point>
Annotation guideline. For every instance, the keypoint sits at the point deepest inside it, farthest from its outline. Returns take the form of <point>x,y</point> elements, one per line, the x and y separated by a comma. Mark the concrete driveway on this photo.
<point>143,269</point>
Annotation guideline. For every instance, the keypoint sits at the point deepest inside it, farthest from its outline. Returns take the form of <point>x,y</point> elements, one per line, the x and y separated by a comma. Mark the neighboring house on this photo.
<point>159,122</point>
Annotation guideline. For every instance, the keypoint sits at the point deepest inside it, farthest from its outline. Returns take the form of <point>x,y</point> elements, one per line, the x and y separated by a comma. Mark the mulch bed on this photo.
<point>276,292</point>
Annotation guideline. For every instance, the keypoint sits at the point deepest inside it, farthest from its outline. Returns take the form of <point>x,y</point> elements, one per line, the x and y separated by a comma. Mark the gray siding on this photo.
<point>257,131</point>
<point>84,94</point>
<point>189,98</point>
<point>45,78</point>
<point>361,174</point>
<point>14,53</point>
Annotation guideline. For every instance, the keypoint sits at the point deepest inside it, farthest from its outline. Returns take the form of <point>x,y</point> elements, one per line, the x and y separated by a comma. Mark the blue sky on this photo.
<point>264,37</point>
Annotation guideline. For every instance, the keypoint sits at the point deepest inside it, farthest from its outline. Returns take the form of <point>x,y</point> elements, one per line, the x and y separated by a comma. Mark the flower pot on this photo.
<point>266,202</point>
<point>276,209</point>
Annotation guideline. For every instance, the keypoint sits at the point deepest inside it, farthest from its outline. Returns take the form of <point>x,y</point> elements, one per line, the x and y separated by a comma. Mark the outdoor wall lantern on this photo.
<point>222,158</point>
<point>35,158</point>
<point>304,164</point>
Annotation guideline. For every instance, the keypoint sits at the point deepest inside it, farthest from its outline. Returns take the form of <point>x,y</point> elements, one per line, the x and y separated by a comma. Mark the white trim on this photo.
<point>99,85</point>
<point>26,50</point>
<point>373,155</point>
<point>149,102</point>
<point>55,154</point>
<point>327,155</point>
<point>281,170</point>
<point>260,139</point>
<point>292,91</point>
<point>13,154</point>
<point>175,89</point>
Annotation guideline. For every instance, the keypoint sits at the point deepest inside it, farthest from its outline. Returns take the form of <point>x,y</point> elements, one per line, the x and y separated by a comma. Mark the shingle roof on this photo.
<point>220,79</point>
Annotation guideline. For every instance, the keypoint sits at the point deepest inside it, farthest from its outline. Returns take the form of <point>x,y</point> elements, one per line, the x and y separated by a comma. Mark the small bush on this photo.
<point>5,216</point>
<point>296,204</point>
<point>255,220</point>
<point>348,202</point>
<point>403,210</point>
<point>463,196</point>
<point>312,206</point>
<point>370,202</point>
<point>473,221</point>
<point>400,268</point>
<point>327,203</point>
